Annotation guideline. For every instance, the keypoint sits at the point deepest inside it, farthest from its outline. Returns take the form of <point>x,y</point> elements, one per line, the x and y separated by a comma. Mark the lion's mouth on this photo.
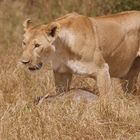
<point>36,67</point>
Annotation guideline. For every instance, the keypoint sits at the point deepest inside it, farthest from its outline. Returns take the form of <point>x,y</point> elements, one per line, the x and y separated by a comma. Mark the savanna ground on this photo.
<point>22,119</point>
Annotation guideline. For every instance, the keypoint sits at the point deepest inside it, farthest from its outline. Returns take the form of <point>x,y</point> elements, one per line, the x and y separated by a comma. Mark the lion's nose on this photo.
<point>25,61</point>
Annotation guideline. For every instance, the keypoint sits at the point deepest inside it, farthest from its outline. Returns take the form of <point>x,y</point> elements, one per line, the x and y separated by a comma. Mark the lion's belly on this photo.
<point>118,68</point>
<point>121,59</point>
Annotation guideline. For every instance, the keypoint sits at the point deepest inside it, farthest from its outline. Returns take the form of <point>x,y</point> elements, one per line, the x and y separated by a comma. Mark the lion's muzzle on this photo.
<point>36,67</point>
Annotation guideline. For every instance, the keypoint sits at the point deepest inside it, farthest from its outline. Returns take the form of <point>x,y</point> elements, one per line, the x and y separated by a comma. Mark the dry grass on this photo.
<point>66,119</point>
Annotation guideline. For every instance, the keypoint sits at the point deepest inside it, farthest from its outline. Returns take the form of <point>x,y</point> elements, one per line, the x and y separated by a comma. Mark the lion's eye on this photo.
<point>23,43</point>
<point>37,45</point>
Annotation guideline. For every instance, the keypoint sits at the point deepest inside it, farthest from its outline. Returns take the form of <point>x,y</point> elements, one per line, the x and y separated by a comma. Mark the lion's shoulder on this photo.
<point>77,33</point>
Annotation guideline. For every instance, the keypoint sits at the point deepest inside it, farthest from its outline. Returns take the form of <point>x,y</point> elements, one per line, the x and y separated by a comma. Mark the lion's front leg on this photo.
<point>104,80</point>
<point>62,81</point>
<point>62,84</point>
<point>100,72</point>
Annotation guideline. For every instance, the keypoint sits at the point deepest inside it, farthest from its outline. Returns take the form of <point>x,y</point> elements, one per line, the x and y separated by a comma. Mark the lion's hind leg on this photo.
<point>132,77</point>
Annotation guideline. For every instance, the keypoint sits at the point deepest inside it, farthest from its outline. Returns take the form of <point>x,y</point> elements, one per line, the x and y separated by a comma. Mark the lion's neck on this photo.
<point>62,54</point>
<point>60,57</point>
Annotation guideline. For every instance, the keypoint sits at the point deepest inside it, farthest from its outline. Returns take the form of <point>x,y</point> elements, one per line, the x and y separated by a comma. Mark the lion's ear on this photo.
<point>53,29</point>
<point>27,24</point>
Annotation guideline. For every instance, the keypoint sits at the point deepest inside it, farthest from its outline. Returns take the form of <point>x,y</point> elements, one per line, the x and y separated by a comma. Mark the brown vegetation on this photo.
<point>21,119</point>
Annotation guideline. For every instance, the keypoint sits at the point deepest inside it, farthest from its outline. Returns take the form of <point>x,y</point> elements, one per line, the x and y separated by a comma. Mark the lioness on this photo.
<point>98,47</point>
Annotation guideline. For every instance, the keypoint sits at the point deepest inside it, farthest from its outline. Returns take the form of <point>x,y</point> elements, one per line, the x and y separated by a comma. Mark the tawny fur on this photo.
<point>97,47</point>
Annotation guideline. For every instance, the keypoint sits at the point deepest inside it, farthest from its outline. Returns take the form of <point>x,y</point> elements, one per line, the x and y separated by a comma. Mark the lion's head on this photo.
<point>38,44</point>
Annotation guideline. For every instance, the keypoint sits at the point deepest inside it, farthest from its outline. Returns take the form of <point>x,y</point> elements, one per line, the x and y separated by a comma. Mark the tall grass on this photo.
<point>61,118</point>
